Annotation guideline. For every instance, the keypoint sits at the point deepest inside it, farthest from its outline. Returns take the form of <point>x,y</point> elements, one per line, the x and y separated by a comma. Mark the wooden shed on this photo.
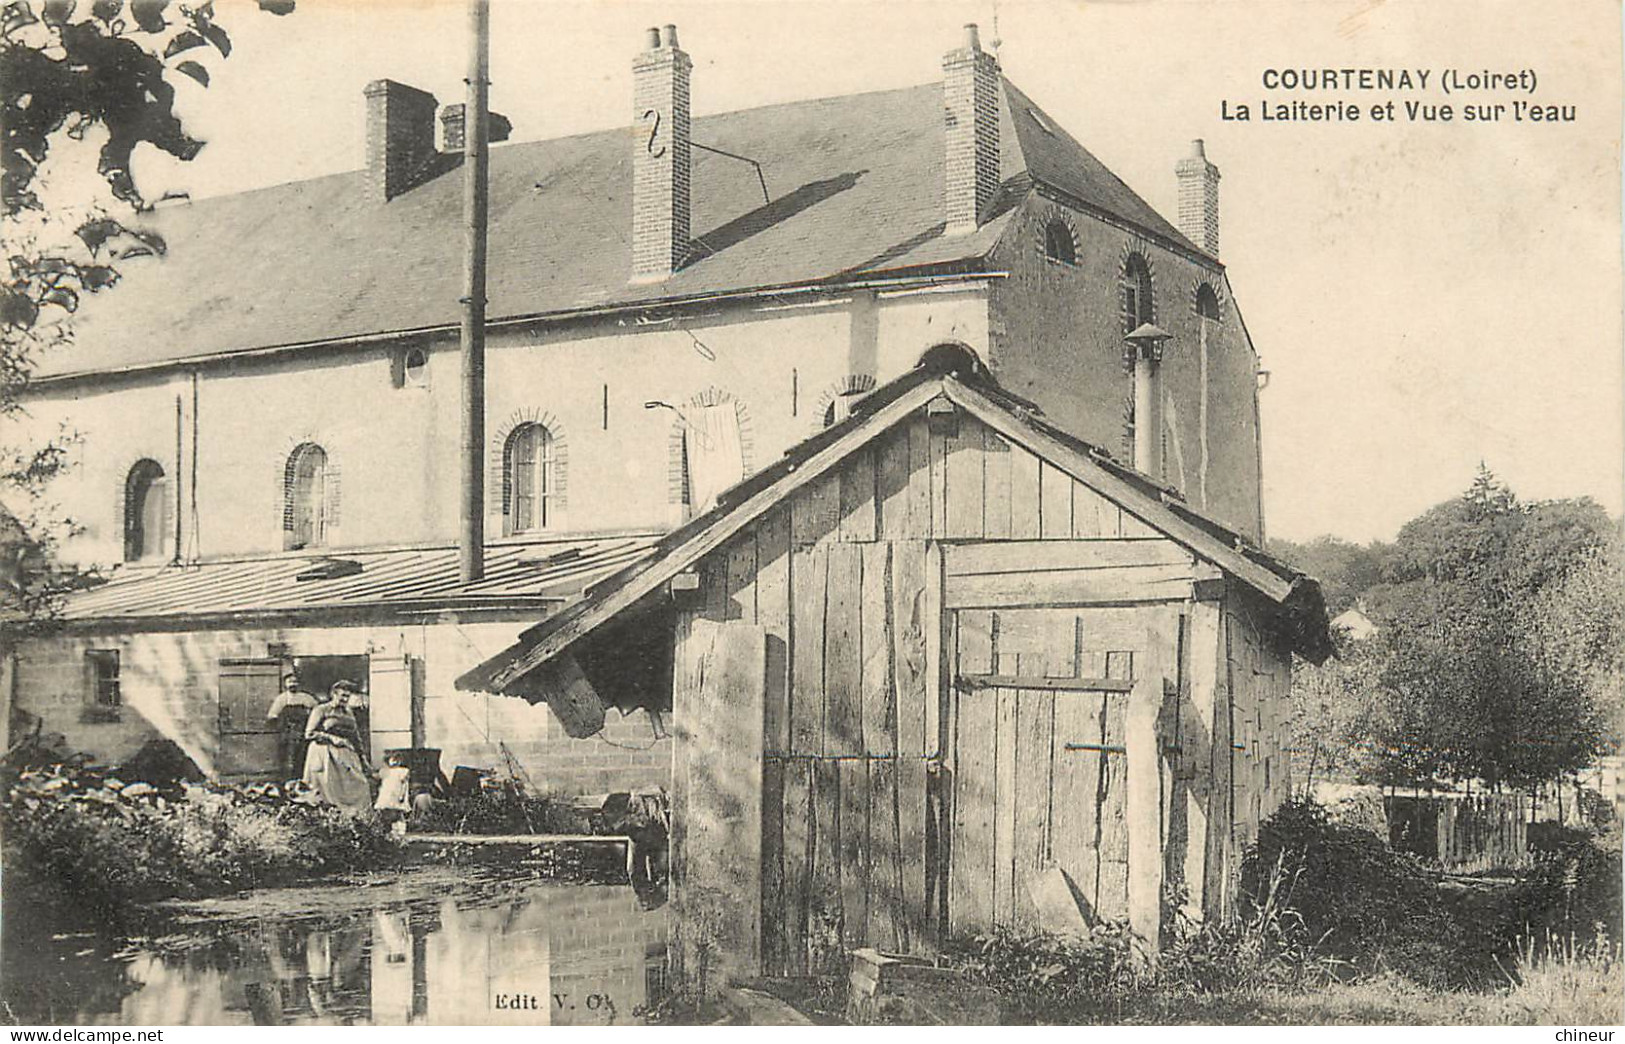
<point>938,652</point>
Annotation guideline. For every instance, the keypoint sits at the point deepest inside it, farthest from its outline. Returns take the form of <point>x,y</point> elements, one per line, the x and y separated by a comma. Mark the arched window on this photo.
<point>1138,307</point>
<point>950,357</point>
<point>840,397</point>
<point>529,483</point>
<point>304,498</point>
<point>1207,302</point>
<point>1058,243</point>
<point>146,513</point>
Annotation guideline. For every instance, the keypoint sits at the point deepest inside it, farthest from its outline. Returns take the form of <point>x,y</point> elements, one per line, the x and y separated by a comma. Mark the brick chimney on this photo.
<point>660,156</point>
<point>1199,199</point>
<point>400,137</point>
<point>970,96</point>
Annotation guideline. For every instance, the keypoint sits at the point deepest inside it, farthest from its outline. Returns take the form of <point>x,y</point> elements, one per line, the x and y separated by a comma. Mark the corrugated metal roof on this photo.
<point>527,575</point>
<point>857,186</point>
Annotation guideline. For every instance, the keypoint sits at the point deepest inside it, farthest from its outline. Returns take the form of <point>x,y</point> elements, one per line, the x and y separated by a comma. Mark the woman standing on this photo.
<point>334,768</point>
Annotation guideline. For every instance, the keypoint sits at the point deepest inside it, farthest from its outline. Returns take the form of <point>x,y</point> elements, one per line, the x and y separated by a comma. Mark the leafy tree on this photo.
<point>1474,683</point>
<point>1333,713</point>
<point>1346,571</point>
<point>71,70</point>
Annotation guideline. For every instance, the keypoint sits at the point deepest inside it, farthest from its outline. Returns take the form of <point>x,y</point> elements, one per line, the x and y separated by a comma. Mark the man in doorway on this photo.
<point>289,713</point>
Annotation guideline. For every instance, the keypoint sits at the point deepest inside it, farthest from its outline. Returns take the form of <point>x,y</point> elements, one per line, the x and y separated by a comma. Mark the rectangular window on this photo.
<point>102,668</point>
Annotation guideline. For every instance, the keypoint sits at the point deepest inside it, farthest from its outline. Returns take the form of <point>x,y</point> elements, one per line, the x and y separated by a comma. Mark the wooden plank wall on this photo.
<point>1040,772</point>
<point>845,580</point>
<point>1260,682</point>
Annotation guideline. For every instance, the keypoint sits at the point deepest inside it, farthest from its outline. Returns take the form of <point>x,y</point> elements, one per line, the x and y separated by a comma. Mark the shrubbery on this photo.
<point>1359,902</point>
<point>1571,893</point>
<point>79,841</point>
<point>1323,902</point>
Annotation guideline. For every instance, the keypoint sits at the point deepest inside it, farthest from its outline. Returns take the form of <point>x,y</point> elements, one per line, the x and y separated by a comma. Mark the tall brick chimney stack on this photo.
<point>400,137</point>
<point>970,96</point>
<point>660,157</point>
<point>1199,199</point>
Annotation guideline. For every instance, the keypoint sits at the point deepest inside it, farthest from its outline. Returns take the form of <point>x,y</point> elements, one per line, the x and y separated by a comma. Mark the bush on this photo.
<point>1044,977</point>
<point>1572,892</point>
<point>1359,902</point>
<point>78,841</point>
<point>1268,945</point>
<point>502,810</point>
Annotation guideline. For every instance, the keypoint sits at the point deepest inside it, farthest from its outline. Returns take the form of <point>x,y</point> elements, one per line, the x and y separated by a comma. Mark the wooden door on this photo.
<point>247,740</point>
<point>1037,741</point>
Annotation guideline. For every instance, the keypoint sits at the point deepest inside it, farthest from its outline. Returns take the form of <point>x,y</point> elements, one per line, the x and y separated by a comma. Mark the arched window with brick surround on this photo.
<point>1139,307</point>
<point>305,507</point>
<point>146,513</point>
<point>1058,242</point>
<point>1207,302</point>
<point>529,479</point>
<point>711,449</point>
<point>836,403</point>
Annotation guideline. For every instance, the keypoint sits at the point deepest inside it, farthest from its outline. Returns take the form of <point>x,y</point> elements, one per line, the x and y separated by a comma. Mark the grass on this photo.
<point>1567,986</point>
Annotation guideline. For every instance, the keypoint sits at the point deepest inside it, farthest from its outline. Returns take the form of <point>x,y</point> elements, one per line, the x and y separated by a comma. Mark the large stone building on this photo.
<point>269,412</point>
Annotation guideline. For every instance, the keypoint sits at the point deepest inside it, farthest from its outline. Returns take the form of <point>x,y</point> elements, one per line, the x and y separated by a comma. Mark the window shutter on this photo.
<point>714,453</point>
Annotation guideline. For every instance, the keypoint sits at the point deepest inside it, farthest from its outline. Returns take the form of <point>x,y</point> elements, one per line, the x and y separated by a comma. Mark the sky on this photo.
<point>1423,296</point>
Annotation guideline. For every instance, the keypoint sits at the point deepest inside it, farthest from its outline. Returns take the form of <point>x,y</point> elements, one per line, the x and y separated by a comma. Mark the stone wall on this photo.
<point>170,688</point>
<point>1056,334</point>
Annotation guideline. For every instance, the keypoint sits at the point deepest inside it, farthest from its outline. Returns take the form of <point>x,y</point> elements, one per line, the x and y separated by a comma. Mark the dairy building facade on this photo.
<point>269,412</point>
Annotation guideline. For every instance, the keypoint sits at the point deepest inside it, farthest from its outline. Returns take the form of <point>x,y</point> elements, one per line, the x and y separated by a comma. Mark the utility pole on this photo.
<point>476,158</point>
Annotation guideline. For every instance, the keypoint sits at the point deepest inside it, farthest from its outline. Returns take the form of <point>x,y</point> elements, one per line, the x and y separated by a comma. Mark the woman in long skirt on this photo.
<point>334,769</point>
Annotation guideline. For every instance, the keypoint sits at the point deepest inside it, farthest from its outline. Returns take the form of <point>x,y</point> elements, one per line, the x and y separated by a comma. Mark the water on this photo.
<point>431,947</point>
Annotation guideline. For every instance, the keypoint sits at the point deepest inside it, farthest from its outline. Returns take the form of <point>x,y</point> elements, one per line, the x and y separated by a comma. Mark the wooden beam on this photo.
<point>1144,798</point>
<point>1069,587</point>
<point>1204,817</point>
<point>1013,681</point>
<point>1037,556</point>
<point>1131,497</point>
<point>570,696</point>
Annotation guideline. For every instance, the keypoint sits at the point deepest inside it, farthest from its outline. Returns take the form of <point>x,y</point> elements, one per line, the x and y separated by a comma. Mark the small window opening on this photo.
<point>304,515</point>
<point>1207,302</point>
<point>416,367</point>
<point>146,513</point>
<point>1138,307</point>
<point>1058,244</point>
<point>949,357</point>
<point>106,697</point>
<point>845,395</point>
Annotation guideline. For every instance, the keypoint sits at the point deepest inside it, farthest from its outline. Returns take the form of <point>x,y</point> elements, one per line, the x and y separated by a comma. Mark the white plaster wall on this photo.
<point>395,448</point>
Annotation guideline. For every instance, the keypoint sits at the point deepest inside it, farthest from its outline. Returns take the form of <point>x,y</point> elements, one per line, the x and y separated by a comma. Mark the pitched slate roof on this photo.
<point>1297,596</point>
<point>856,185</point>
<point>535,576</point>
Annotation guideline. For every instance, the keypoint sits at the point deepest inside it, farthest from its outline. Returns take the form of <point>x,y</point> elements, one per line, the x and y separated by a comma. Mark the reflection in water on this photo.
<point>536,954</point>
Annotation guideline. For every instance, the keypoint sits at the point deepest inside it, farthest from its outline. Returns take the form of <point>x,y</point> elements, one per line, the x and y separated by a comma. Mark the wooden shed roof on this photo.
<point>1301,609</point>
